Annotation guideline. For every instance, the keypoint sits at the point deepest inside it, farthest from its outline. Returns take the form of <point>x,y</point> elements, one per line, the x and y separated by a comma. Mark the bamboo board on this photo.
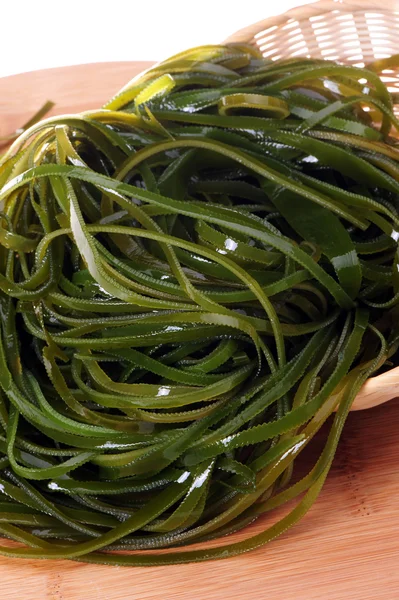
<point>348,544</point>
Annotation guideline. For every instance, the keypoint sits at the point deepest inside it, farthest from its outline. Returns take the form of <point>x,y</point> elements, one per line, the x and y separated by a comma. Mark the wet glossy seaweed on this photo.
<point>193,279</point>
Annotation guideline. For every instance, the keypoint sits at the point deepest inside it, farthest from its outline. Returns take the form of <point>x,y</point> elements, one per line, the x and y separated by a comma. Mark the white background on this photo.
<point>38,34</point>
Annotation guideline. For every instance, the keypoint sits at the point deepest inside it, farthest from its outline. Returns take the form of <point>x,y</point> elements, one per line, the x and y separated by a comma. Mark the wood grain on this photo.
<point>73,89</point>
<point>346,547</point>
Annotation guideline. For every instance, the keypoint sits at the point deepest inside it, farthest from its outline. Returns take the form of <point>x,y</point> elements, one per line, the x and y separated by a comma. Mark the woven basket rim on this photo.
<point>306,11</point>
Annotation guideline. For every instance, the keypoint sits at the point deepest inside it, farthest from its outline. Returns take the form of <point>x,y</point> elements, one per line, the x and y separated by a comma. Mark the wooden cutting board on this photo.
<point>348,544</point>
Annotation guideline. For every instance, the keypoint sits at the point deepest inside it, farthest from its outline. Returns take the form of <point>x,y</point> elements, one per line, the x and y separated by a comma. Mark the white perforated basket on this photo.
<point>354,32</point>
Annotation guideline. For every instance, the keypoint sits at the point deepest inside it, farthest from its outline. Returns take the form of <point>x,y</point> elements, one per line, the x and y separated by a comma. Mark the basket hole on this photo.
<point>266,43</point>
<point>265,31</point>
<point>322,31</point>
<point>328,51</point>
<point>301,52</point>
<point>269,53</point>
<point>380,44</point>
<point>377,28</point>
<point>298,45</point>
<point>352,44</point>
<point>380,38</point>
<point>344,17</point>
<point>355,57</point>
<point>323,38</point>
<point>270,38</point>
<point>382,22</point>
<point>347,30</point>
<point>291,23</point>
<point>317,18</point>
<point>389,45</point>
<point>297,37</point>
<point>266,46</point>
<point>349,37</point>
<point>319,24</point>
<point>294,33</point>
<point>325,44</point>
